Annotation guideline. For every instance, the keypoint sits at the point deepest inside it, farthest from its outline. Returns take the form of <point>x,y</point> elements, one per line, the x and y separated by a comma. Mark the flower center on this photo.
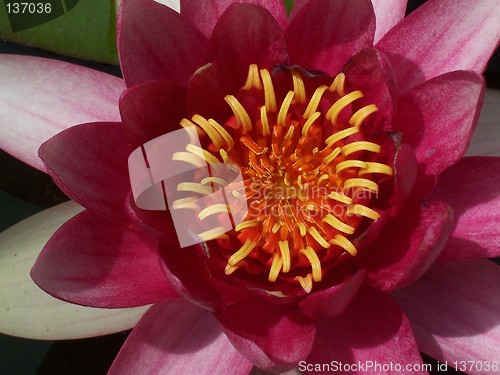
<point>310,173</point>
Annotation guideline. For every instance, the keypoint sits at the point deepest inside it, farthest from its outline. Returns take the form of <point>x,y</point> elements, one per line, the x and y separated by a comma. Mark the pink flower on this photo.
<point>311,104</point>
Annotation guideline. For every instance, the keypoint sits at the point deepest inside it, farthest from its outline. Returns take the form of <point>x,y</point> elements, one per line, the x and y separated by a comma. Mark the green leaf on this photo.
<point>86,29</point>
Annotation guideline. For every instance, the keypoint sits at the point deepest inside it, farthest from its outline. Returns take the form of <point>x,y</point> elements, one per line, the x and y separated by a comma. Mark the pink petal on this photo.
<point>205,17</point>
<point>408,245</point>
<point>326,33</point>
<point>152,109</point>
<point>41,97</point>
<point>455,313</point>
<point>471,188</point>
<point>247,34</point>
<point>437,119</point>
<point>442,36</point>
<point>388,13</point>
<point>370,72</point>
<point>93,262</point>
<point>273,337</point>
<point>89,163</point>
<point>371,330</point>
<point>175,337</point>
<point>156,43</point>
<point>331,301</point>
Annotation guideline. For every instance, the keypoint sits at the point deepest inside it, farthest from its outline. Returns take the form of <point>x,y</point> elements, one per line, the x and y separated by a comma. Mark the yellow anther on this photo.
<point>309,122</point>
<point>285,106</point>
<point>285,255</point>
<point>336,223</point>
<point>361,183</point>
<point>223,132</point>
<point>302,229</point>
<point>216,180</point>
<point>212,234</point>
<point>185,203</point>
<point>264,120</point>
<point>289,132</point>
<point>214,136</point>
<point>245,224</point>
<point>230,269</point>
<point>322,178</point>
<point>239,112</point>
<point>361,114</point>
<point>372,167</point>
<point>223,155</point>
<point>305,282</point>
<point>276,228</point>
<point>186,124</point>
<point>360,146</point>
<point>275,268</point>
<point>340,104</point>
<point>332,156</point>
<point>349,164</point>
<point>314,102</point>
<point>202,154</point>
<point>344,243</point>
<point>214,209</point>
<point>190,158</point>
<point>298,86</point>
<point>338,84</point>
<point>194,187</point>
<point>361,210</point>
<point>253,78</point>
<point>269,95</point>
<point>242,253</point>
<point>340,135</point>
<point>340,197</point>
<point>312,257</point>
<point>318,238</point>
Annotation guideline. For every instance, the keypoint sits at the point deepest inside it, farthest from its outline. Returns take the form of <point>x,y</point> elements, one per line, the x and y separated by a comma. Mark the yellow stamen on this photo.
<point>334,222</point>
<point>309,123</point>
<point>361,210</point>
<point>332,156</point>
<point>285,255</point>
<point>214,136</point>
<point>289,133</point>
<point>265,122</point>
<point>269,96</point>
<point>349,164</point>
<point>344,243</point>
<point>214,209</point>
<point>253,78</point>
<point>245,224</point>
<point>284,108</point>
<point>362,183</point>
<point>340,104</point>
<point>239,112</point>
<point>340,197</point>
<point>202,154</point>
<point>185,203</point>
<point>338,84</point>
<point>194,188</point>
<point>361,114</point>
<point>215,180</point>
<point>360,146</point>
<point>302,229</point>
<point>372,167</point>
<point>305,282</point>
<point>189,158</point>
<point>312,257</point>
<point>223,132</point>
<point>186,124</point>
<point>275,268</point>
<point>314,102</point>
<point>340,135</point>
<point>318,238</point>
<point>242,253</point>
<point>298,86</point>
<point>212,234</point>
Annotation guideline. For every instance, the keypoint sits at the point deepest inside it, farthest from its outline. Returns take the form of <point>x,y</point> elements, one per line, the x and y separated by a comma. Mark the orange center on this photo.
<point>310,174</point>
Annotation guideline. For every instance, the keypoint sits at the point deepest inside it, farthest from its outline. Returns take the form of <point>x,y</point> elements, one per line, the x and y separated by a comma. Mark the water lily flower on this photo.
<point>349,124</point>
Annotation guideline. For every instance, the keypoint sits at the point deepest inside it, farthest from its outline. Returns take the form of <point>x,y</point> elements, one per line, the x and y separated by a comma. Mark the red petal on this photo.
<point>176,337</point>
<point>471,188</point>
<point>273,337</point>
<point>437,119</point>
<point>388,13</point>
<point>247,34</point>
<point>205,17</point>
<point>324,34</point>
<point>455,313</point>
<point>93,262</point>
<point>442,36</point>
<point>371,330</point>
<point>188,272</point>
<point>155,42</point>
<point>407,246</point>
<point>152,109</point>
<point>331,301</point>
<point>89,163</point>
<point>370,72</point>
